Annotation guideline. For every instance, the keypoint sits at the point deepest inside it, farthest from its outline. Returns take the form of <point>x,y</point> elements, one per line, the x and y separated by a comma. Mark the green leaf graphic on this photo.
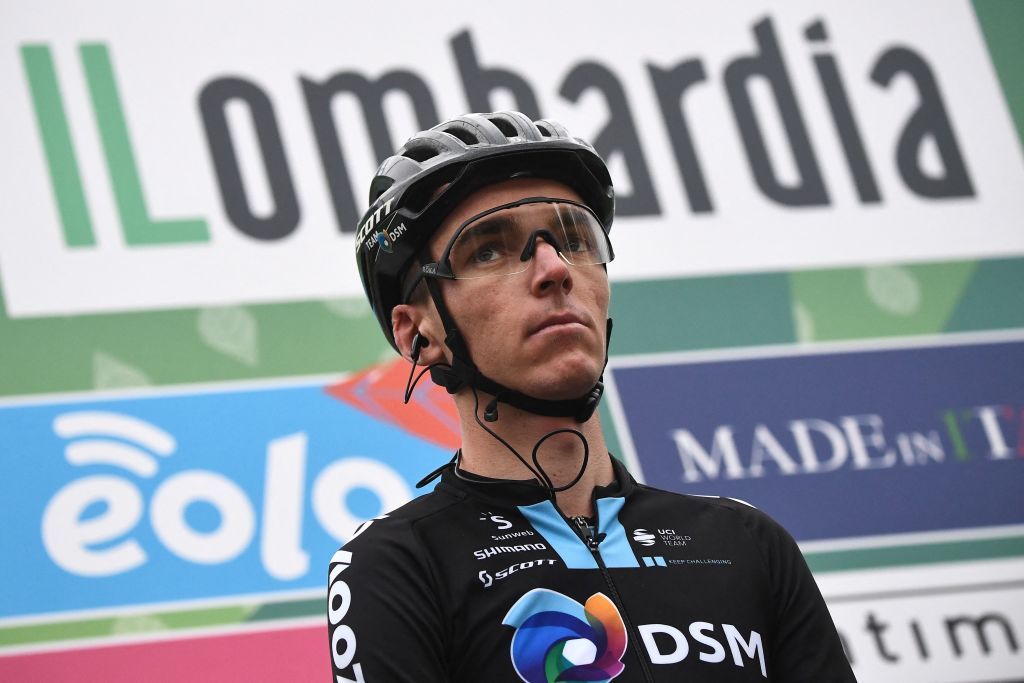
<point>231,331</point>
<point>109,372</point>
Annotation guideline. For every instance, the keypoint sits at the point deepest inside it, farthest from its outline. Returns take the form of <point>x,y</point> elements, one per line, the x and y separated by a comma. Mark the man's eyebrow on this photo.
<point>574,214</point>
<point>491,224</point>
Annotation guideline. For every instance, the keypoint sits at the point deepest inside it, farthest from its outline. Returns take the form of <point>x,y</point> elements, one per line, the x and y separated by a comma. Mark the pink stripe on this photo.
<point>298,654</point>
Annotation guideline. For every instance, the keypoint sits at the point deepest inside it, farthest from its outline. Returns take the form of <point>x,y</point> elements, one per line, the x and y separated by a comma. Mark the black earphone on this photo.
<point>418,343</point>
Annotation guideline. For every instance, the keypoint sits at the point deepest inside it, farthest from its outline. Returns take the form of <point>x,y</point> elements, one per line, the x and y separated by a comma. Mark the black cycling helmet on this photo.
<point>415,190</point>
<point>462,155</point>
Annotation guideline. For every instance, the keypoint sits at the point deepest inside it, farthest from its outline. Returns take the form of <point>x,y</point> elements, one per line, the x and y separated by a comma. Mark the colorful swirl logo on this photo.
<point>558,639</point>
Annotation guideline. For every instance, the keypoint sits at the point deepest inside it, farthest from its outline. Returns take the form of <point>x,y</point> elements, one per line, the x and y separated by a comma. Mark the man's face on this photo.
<point>541,331</point>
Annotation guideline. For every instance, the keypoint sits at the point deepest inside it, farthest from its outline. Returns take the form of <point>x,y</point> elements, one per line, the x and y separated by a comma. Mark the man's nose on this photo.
<point>549,269</point>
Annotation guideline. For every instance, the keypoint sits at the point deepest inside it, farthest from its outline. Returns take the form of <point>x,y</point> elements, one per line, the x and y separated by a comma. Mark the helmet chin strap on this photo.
<point>463,372</point>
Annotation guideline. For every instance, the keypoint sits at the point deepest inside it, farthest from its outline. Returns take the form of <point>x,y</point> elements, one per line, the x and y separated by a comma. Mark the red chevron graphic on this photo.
<point>378,390</point>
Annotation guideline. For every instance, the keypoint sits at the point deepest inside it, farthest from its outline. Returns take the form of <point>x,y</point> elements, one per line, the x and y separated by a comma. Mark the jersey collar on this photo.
<point>525,491</point>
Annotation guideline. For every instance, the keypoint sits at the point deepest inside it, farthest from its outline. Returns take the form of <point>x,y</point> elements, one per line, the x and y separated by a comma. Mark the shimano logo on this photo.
<point>643,537</point>
<point>484,553</point>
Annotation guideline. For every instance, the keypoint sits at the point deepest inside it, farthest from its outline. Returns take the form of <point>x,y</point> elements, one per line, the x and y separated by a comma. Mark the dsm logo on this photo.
<point>558,639</point>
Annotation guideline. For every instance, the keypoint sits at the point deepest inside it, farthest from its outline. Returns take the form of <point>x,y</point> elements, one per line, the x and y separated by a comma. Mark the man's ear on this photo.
<point>408,322</point>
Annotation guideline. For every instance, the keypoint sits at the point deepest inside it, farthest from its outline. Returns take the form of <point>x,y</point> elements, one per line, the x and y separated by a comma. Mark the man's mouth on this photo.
<point>567,320</point>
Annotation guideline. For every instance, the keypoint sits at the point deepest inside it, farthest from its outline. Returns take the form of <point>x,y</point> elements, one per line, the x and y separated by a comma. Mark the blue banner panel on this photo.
<point>184,496</point>
<point>839,444</point>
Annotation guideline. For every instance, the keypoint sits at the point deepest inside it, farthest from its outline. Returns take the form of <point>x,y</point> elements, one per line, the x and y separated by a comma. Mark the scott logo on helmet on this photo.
<point>372,220</point>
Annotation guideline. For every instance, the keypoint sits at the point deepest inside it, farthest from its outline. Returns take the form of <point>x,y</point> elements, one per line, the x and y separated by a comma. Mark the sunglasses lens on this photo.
<point>496,244</point>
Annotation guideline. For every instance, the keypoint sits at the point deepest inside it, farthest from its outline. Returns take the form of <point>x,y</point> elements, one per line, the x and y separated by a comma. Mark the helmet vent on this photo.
<point>544,130</point>
<point>462,134</point>
<point>506,128</point>
<point>420,153</point>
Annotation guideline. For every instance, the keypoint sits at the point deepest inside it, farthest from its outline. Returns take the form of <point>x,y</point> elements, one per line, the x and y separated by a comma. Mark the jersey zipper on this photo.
<point>592,539</point>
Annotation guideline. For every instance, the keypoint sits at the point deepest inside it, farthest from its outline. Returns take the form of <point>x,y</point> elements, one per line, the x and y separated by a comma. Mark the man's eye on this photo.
<point>487,254</point>
<point>577,243</point>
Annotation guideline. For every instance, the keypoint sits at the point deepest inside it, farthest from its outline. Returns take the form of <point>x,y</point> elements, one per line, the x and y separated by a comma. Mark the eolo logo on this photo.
<point>94,526</point>
<point>558,639</point>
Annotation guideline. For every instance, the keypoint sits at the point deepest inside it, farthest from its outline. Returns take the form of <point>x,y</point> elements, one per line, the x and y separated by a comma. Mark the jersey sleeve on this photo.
<point>384,616</point>
<point>806,646</point>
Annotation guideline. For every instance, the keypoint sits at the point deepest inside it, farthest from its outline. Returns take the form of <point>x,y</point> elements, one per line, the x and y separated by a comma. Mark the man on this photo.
<point>538,557</point>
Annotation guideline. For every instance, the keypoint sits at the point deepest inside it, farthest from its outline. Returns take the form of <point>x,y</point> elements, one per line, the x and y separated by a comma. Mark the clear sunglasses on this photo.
<point>502,240</point>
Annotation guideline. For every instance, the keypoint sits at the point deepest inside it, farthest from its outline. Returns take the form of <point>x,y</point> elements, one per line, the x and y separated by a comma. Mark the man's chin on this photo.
<point>563,387</point>
<point>563,376</point>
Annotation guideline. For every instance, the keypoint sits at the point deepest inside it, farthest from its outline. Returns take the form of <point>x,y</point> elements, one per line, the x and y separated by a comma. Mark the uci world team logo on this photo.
<point>558,639</point>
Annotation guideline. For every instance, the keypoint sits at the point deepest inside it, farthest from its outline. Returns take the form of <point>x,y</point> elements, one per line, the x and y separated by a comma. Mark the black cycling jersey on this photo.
<point>486,581</point>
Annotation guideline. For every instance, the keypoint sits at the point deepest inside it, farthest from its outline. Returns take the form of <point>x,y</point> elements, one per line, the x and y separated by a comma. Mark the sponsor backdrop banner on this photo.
<point>190,495</point>
<point>837,444</point>
<point>791,130</point>
<point>818,297</point>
